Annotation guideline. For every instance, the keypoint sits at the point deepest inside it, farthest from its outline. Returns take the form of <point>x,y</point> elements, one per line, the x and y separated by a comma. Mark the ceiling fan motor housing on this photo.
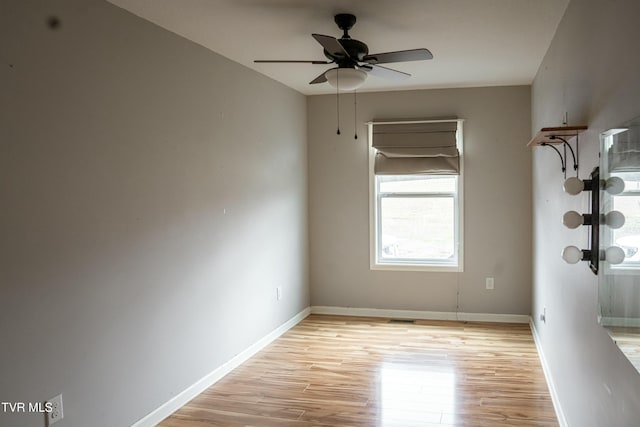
<point>356,50</point>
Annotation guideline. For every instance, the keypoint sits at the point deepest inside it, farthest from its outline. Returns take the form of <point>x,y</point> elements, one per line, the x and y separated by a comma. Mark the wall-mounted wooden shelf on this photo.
<point>548,137</point>
<point>545,134</point>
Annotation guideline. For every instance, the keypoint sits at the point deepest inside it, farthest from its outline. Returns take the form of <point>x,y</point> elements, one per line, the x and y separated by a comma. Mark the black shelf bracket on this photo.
<point>563,154</point>
<point>574,154</point>
<point>562,161</point>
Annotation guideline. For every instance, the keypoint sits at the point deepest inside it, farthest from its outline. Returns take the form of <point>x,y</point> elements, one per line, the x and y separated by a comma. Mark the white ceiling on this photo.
<point>474,42</point>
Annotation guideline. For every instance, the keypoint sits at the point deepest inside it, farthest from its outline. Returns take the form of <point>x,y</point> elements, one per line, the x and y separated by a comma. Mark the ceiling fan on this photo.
<point>353,60</point>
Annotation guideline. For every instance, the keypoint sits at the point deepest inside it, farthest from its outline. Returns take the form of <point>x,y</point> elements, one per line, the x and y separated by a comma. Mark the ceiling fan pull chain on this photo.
<point>338,102</point>
<point>355,113</point>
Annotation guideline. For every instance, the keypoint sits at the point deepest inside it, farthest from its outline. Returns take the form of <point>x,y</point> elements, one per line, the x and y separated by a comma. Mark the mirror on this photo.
<point>619,284</point>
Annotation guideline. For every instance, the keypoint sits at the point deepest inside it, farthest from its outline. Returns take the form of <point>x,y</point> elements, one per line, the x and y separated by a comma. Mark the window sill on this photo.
<point>623,269</point>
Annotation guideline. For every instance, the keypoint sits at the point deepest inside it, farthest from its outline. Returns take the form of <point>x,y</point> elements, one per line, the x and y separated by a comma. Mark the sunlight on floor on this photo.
<point>415,395</point>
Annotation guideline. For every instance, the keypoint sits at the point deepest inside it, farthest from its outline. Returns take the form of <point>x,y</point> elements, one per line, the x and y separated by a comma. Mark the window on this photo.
<point>622,160</point>
<point>628,202</point>
<point>415,204</point>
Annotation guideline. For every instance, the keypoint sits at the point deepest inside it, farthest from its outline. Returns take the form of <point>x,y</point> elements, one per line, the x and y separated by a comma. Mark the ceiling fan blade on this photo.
<point>384,72</point>
<point>320,79</point>
<point>331,45</point>
<point>398,56</point>
<point>287,61</point>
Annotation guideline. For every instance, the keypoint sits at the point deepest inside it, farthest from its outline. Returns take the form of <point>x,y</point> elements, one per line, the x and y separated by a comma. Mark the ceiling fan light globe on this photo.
<point>346,78</point>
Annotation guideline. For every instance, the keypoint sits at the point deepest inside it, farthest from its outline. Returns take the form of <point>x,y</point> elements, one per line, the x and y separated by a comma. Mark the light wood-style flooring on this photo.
<point>346,371</point>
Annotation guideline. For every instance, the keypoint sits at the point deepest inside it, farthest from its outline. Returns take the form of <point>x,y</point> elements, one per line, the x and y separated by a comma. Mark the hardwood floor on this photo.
<point>346,371</point>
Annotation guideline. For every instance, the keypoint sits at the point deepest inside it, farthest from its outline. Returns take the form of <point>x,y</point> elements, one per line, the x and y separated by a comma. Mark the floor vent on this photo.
<point>402,321</point>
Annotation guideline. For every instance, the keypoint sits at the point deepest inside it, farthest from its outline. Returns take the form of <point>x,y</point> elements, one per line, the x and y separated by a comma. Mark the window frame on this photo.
<point>606,233</point>
<point>631,266</point>
<point>375,204</point>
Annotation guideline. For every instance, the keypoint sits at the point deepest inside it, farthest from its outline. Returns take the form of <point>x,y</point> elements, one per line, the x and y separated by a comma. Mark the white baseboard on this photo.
<point>547,374</point>
<point>417,314</point>
<point>201,385</point>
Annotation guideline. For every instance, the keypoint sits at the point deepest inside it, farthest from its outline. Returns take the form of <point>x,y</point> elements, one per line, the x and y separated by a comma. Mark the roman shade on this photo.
<point>416,148</point>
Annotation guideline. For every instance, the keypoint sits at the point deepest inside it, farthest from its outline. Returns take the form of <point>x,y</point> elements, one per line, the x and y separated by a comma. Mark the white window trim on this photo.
<point>373,220</point>
<point>628,268</point>
<point>625,267</point>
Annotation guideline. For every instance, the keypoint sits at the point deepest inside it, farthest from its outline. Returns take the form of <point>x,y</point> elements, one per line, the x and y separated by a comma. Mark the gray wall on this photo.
<point>590,71</point>
<point>153,196</point>
<point>497,199</point>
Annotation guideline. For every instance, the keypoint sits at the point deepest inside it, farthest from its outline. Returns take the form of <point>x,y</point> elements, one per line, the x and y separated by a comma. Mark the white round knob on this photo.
<point>573,185</point>
<point>614,219</point>
<point>614,185</point>
<point>572,219</point>
<point>614,255</point>
<point>571,254</point>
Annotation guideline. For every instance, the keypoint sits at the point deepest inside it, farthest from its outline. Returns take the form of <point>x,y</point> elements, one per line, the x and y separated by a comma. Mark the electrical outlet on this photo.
<point>543,315</point>
<point>489,283</point>
<point>56,413</point>
<point>279,293</point>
